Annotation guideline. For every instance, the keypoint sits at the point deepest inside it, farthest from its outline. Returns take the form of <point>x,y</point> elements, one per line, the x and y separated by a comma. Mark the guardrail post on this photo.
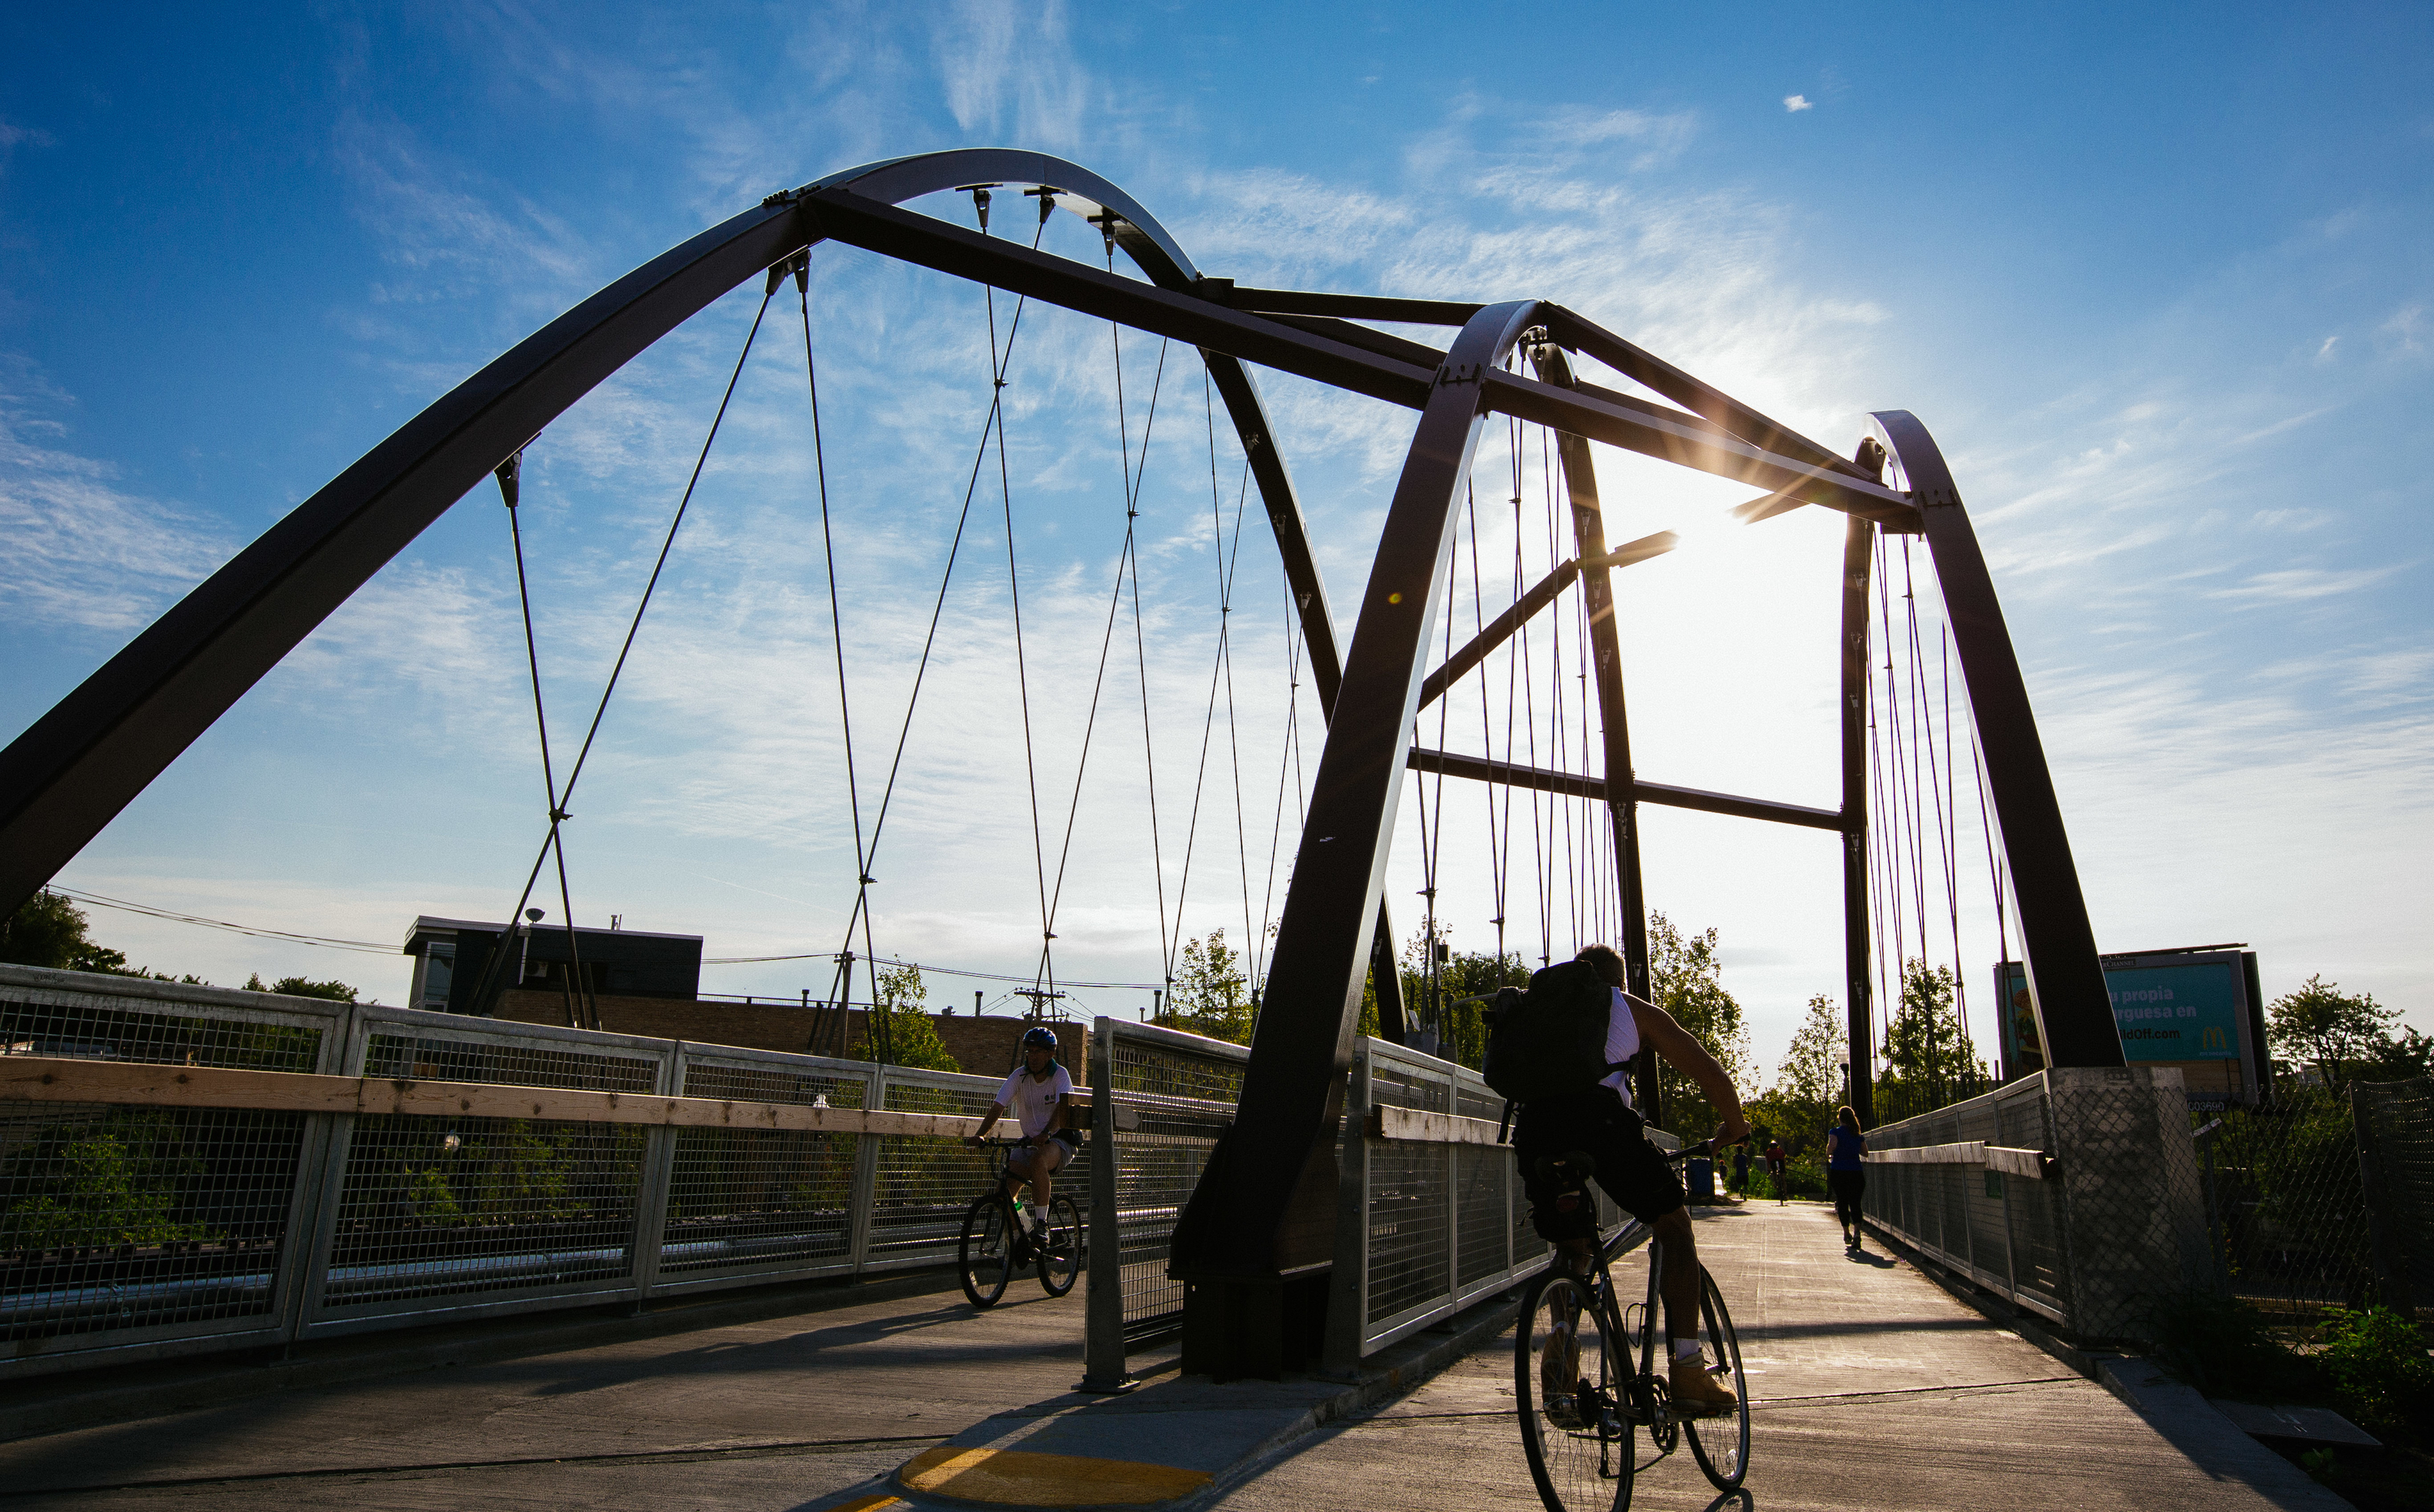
<point>1103,1312</point>
<point>1347,1298</point>
<point>651,1192</point>
<point>866,1177</point>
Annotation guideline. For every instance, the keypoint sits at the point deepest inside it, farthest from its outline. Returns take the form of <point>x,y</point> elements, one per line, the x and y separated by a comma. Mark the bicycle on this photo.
<point>994,1245</point>
<point>1579,1445</point>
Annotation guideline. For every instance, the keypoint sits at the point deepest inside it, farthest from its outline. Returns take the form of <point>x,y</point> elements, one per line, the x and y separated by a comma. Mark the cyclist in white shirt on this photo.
<point>1037,1091</point>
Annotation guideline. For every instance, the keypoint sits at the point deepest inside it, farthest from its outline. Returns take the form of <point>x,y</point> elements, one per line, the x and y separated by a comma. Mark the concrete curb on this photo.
<point>1384,1377</point>
<point>2211,1440</point>
<point>2180,1413</point>
<point>42,1405</point>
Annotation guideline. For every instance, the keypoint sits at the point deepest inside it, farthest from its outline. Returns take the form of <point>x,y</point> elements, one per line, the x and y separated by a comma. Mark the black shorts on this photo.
<point>1632,1171</point>
<point>1847,1186</point>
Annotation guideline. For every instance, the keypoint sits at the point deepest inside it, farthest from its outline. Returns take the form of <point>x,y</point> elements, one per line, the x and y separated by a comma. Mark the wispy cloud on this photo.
<point>77,549</point>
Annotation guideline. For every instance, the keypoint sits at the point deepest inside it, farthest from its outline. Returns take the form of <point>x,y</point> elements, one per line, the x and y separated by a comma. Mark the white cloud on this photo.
<point>75,548</point>
<point>1795,103</point>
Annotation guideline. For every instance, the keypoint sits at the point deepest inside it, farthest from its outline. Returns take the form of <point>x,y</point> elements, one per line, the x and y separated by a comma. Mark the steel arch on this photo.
<point>72,771</point>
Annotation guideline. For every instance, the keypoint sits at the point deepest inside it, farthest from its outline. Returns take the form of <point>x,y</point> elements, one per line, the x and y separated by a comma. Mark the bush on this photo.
<point>2379,1369</point>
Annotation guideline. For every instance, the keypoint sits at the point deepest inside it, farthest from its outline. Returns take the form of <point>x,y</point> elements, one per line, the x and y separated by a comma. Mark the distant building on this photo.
<point>452,956</point>
<point>650,984</point>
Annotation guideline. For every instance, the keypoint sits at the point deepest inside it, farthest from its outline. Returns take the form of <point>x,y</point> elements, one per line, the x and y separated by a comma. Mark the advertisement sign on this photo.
<point>2188,1009</point>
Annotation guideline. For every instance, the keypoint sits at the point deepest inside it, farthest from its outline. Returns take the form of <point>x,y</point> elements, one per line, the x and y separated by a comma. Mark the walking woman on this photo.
<point>1844,1176</point>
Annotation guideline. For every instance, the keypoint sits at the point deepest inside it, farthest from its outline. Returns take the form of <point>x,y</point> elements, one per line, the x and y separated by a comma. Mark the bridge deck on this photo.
<point>1876,1390</point>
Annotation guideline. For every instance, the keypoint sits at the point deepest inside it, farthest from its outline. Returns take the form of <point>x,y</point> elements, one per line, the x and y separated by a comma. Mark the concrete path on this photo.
<point>1875,1389</point>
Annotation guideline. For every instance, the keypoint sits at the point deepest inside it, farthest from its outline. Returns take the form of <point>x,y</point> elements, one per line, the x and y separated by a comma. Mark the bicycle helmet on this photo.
<point>1039,1037</point>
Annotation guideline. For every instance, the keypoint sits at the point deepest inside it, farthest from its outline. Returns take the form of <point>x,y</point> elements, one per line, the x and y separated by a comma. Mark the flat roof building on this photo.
<point>451,956</point>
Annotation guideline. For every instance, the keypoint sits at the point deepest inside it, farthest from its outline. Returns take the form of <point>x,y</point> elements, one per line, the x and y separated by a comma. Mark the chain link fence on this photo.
<point>131,1228</point>
<point>2321,1198</point>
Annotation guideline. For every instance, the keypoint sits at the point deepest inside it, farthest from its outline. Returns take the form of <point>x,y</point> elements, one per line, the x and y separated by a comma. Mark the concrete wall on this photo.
<point>985,1046</point>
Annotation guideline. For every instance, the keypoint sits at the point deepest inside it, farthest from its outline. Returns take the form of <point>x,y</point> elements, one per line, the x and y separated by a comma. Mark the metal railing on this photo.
<point>1164,1097</point>
<point>2072,1194</point>
<point>1431,1213</point>
<point>209,1207</point>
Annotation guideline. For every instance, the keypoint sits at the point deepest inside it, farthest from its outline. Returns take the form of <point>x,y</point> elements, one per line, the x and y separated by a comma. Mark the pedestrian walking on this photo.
<point>1845,1177</point>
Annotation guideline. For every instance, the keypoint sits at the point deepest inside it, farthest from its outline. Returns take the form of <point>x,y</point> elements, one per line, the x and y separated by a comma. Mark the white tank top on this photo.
<point>1621,1041</point>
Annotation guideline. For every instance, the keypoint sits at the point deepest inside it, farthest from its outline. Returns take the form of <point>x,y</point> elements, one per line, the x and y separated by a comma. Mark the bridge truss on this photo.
<point>1258,1230</point>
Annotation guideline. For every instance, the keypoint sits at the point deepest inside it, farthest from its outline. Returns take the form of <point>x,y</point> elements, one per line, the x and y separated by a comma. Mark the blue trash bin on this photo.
<point>1700,1174</point>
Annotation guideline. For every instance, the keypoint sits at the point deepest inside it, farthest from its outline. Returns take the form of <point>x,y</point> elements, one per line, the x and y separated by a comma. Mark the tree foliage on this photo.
<point>1211,995</point>
<point>48,930</point>
<point>1808,1085</point>
<point>906,1034</point>
<point>1461,1028</point>
<point>2339,1032</point>
<point>1686,978</point>
<point>1929,1057</point>
<point>333,990</point>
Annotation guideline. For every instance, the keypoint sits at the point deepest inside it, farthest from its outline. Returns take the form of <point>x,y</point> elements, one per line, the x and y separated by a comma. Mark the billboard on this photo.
<point>2192,1009</point>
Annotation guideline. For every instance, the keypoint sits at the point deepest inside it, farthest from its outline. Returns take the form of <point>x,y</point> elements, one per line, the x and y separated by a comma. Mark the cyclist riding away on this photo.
<point>1601,1123</point>
<point>1036,1091</point>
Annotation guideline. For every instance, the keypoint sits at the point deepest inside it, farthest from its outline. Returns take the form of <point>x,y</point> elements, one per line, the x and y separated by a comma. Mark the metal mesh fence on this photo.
<point>429,1209</point>
<point>923,1185</point>
<point>2101,1218</point>
<point>2395,1123</point>
<point>1164,1100</point>
<point>129,1229</point>
<point>120,1223</point>
<point>2322,1199</point>
<point>761,1199</point>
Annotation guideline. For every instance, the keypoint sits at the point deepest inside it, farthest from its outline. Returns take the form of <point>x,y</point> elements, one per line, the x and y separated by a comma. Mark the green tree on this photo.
<point>48,930</point>
<point>908,1036</point>
<point>2331,1028</point>
<point>1462,1027</point>
<point>1927,1050</point>
<point>1808,1085</point>
<point>1686,978</point>
<point>1211,995</point>
<point>334,991</point>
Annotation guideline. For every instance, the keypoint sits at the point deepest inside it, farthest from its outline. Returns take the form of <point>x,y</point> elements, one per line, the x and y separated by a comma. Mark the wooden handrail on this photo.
<point>43,1078</point>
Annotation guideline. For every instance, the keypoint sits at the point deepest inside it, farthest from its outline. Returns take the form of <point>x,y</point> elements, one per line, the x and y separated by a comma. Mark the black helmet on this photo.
<point>1039,1037</point>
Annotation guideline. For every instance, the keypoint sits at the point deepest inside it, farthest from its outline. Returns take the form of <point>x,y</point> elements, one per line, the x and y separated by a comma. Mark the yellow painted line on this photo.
<point>869,1504</point>
<point>1022,1478</point>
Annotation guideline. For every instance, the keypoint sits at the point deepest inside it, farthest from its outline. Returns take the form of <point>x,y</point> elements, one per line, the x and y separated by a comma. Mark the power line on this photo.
<point>943,971</point>
<point>325,942</point>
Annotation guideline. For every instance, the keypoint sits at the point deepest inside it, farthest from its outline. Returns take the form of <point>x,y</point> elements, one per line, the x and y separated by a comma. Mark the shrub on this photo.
<point>2379,1369</point>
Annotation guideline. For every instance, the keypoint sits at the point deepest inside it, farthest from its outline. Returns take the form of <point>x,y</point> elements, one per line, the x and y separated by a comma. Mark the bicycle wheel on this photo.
<point>1060,1251</point>
<point>1567,1386</point>
<point>1720,1444</point>
<point>984,1255</point>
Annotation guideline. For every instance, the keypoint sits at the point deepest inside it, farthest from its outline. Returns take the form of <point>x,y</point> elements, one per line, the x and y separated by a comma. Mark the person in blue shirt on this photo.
<point>1844,1176</point>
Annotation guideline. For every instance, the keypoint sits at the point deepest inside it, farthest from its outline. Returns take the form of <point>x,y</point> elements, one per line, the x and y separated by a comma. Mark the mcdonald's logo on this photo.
<point>2213,1038</point>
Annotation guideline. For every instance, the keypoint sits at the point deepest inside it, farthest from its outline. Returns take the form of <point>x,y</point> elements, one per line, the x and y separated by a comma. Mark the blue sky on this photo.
<point>2158,286</point>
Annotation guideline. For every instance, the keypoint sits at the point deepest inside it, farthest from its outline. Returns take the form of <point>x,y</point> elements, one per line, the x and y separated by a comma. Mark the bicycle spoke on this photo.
<point>1569,1388</point>
<point>1720,1444</point>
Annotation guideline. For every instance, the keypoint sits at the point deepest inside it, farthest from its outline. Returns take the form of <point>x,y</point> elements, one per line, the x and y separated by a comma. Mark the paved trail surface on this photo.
<point>1874,1390</point>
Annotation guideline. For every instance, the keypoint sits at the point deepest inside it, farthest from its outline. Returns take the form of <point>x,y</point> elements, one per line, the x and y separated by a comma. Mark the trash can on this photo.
<point>1699,1173</point>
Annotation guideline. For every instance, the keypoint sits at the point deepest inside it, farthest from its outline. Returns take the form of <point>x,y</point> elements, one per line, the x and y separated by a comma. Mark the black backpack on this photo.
<point>1550,1041</point>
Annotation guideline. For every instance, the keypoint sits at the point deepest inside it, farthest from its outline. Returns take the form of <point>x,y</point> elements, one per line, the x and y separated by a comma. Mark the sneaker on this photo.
<point>1696,1393</point>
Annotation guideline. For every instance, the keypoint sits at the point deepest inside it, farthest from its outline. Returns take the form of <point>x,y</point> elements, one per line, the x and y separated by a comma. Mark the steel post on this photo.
<point>1858,537</point>
<point>1252,1233</point>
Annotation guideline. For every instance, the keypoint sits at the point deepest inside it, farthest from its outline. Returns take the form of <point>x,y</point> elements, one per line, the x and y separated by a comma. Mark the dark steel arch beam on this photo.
<point>2057,944</point>
<point>1263,1213</point>
<point>72,771</point>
